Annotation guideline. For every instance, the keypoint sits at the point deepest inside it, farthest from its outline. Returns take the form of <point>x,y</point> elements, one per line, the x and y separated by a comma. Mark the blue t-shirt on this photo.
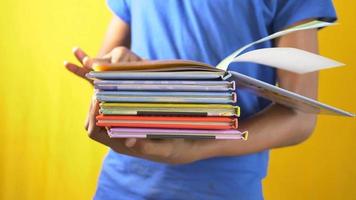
<point>206,31</point>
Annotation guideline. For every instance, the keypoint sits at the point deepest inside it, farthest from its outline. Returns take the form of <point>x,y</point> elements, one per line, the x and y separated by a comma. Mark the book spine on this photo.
<point>237,111</point>
<point>234,123</point>
<point>233,85</point>
<point>234,97</point>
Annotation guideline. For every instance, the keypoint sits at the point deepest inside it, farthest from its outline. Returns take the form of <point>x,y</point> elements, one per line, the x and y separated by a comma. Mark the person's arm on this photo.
<point>115,48</point>
<point>276,126</point>
<point>117,34</point>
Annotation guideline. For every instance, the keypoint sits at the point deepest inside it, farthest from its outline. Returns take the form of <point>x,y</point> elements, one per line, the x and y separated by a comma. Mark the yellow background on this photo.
<point>44,151</point>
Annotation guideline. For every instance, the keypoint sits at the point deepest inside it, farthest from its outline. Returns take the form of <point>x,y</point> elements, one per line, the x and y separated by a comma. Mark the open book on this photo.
<point>290,59</point>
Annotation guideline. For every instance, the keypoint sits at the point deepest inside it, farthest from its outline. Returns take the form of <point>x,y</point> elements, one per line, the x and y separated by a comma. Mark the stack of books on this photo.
<point>164,99</point>
<point>188,99</point>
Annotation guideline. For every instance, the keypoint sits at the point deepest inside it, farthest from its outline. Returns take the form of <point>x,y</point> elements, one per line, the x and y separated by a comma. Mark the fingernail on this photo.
<point>130,142</point>
<point>65,63</point>
<point>74,49</point>
<point>85,60</point>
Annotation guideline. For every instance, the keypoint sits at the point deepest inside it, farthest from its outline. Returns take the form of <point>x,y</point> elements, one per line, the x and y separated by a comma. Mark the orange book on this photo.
<point>168,122</point>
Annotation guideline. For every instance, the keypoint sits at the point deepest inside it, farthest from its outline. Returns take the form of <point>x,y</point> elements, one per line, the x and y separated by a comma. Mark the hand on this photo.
<point>118,54</point>
<point>80,55</point>
<point>172,151</point>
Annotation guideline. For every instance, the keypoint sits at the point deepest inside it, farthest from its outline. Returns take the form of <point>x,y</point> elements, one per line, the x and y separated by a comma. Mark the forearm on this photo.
<point>117,34</point>
<point>277,126</point>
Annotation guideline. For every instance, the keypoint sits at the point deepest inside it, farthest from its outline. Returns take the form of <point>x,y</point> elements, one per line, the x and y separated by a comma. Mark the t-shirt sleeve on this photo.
<point>289,12</point>
<point>121,9</point>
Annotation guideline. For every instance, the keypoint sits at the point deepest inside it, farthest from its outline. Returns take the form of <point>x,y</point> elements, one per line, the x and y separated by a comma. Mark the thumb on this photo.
<point>89,62</point>
<point>94,111</point>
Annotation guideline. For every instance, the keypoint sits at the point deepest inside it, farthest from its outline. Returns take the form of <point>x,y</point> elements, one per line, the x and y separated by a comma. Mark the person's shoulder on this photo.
<point>288,13</point>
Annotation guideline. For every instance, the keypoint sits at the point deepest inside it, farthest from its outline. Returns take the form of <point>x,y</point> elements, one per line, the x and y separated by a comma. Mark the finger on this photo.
<point>91,107</point>
<point>133,57</point>
<point>130,142</point>
<point>89,62</point>
<point>108,55</point>
<point>79,54</point>
<point>88,116</point>
<point>79,71</point>
<point>160,148</point>
<point>75,69</point>
<point>126,57</point>
<point>120,54</point>
<point>92,128</point>
<point>86,124</point>
<point>117,57</point>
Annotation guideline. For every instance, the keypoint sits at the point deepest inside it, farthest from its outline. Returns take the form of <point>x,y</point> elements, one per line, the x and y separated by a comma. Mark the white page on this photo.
<point>285,97</point>
<point>310,25</point>
<point>290,59</point>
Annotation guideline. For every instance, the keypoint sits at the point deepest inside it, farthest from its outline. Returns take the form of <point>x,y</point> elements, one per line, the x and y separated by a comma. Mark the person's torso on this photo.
<point>206,31</point>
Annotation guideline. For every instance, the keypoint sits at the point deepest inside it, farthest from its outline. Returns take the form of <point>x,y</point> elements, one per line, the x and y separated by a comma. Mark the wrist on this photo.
<point>205,149</point>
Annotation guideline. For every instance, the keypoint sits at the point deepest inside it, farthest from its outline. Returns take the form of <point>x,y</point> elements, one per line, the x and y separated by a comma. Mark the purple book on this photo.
<point>176,133</point>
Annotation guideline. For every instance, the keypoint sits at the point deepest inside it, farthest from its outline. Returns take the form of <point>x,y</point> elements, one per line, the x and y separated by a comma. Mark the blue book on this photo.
<point>160,97</point>
<point>164,85</point>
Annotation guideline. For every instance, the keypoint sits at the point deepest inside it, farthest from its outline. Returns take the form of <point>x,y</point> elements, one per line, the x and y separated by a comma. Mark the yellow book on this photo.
<point>169,109</point>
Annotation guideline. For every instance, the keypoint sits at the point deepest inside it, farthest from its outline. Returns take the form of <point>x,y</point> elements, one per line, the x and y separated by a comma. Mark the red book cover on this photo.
<point>168,122</point>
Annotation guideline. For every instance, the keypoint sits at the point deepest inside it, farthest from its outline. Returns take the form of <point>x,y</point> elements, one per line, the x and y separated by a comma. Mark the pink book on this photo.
<point>154,133</point>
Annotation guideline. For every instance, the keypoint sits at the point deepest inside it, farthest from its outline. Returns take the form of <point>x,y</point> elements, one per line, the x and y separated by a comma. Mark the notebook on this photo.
<point>167,97</point>
<point>169,109</point>
<point>164,85</point>
<point>153,133</point>
<point>138,75</point>
<point>216,123</point>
